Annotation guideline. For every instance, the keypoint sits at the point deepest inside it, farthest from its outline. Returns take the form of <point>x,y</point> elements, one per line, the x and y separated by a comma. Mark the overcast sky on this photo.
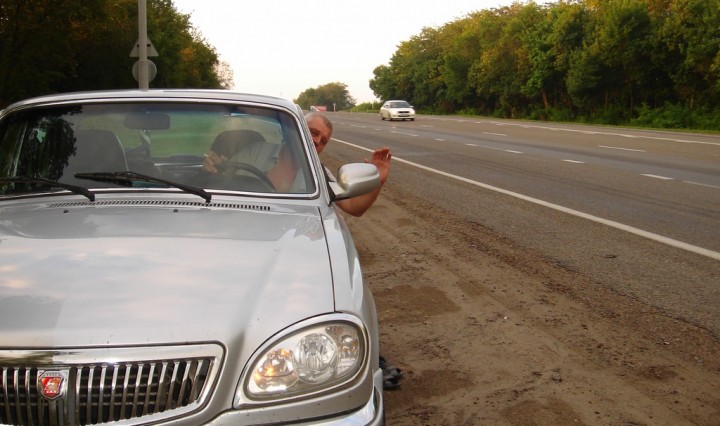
<point>284,47</point>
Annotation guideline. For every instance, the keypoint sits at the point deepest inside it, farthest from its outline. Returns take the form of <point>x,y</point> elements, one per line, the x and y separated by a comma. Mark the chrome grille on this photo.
<point>104,392</point>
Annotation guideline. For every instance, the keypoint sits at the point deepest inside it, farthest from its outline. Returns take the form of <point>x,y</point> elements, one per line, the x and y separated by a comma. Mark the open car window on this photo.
<point>76,144</point>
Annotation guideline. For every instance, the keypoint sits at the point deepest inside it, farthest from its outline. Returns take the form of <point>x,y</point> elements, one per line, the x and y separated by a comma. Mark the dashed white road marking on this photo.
<point>595,132</point>
<point>574,161</point>
<point>656,176</point>
<point>500,149</point>
<point>611,223</point>
<point>403,133</point>
<point>494,134</point>
<point>621,149</point>
<point>588,132</point>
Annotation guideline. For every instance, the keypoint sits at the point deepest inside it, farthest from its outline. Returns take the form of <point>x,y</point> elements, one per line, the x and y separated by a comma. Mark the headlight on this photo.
<point>309,360</point>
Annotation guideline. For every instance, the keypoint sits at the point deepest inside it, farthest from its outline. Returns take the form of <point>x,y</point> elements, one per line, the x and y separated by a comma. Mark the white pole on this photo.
<point>143,73</point>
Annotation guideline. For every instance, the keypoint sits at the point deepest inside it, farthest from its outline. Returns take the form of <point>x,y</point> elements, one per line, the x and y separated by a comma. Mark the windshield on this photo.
<point>399,104</point>
<point>256,150</point>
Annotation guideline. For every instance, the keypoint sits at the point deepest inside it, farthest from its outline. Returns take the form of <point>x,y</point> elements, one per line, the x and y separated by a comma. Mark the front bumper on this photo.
<point>402,115</point>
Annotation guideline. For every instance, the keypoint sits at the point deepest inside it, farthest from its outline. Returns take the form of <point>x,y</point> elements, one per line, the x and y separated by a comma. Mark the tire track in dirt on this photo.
<point>490,333</point>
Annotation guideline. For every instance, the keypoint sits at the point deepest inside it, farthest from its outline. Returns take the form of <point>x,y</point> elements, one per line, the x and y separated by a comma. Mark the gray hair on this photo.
<point>311,115</point>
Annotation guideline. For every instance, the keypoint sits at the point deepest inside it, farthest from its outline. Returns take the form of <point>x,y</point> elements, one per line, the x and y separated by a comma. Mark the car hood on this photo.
<point>94,276</point>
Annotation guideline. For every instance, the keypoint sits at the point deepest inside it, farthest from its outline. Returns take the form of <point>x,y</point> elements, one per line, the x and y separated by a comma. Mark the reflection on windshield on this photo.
<point>253,150</point>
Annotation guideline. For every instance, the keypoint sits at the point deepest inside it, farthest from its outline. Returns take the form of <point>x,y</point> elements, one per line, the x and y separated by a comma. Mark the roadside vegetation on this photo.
<point>52,46</point>
<point>642,62</point>
<point>333,96</point>
<point>652,63</point>
<point>367,107</point>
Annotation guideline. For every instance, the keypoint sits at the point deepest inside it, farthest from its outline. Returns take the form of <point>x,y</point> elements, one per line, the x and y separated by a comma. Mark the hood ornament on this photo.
<point>52,384</point>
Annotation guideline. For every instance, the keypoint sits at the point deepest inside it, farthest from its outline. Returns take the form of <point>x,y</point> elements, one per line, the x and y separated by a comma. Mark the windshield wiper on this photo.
<point>133,176</point>
<point>72,188</point>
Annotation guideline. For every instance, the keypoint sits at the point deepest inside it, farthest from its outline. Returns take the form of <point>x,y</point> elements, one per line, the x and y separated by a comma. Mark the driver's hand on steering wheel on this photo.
<point>212,159</point>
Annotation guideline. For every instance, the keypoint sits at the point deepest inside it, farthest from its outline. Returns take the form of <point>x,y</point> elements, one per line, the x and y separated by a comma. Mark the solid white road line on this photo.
<point>701,184</point>
<point>611,223</point>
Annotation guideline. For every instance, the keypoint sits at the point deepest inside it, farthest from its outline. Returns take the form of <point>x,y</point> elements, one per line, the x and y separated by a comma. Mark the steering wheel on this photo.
<point>229,170</point>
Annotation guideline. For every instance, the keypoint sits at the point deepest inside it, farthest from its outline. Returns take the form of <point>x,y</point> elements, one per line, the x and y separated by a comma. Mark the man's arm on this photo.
<point>359,205</point>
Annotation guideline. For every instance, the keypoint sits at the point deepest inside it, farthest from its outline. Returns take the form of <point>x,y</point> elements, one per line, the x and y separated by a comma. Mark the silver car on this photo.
<point>137,286</point>
<point>397,110</point>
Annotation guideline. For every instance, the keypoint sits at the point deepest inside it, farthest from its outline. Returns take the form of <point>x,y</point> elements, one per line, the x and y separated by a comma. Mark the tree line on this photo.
<point>333,96</point>
<point>646,62</point>
<point>53,46</point>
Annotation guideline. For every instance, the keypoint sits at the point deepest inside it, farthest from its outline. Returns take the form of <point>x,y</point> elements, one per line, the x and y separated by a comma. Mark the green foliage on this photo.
<point>367,107</point>
<point>86,45</point>
<point>672,116</point>
<point>331,95</point>
<point>600,61</point>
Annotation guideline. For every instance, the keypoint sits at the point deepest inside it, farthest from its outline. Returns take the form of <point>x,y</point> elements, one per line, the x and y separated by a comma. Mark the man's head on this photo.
<point>320,129</point>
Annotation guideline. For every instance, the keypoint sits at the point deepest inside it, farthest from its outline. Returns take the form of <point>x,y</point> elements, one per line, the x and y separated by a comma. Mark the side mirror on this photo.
<point>355,179</point>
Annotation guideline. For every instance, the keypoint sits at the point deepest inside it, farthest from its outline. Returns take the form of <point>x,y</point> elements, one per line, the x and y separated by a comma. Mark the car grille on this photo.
<point>106,391</point>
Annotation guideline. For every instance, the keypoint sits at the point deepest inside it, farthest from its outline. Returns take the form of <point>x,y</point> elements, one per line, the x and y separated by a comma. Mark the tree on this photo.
<point>606,61</point>
<point>545,80</point>
<point>329,95</point>
<point>464,43</point>
<point>621,45</point>
<point>86,45</point>
<point>503,67</point>
<point>35,49</point>
<point>225,75</point>
<point>422,57</point>
<point>569,22</point>
<point>383,85</point>
<point>102,36</point>
<point>691,33</point>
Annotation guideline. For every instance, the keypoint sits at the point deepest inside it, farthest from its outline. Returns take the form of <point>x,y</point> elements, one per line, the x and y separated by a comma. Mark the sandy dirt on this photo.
<point>490,333</point>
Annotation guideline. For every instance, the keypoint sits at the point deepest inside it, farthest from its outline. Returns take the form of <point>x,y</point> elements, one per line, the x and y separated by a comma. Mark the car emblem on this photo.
<point>52,384</point>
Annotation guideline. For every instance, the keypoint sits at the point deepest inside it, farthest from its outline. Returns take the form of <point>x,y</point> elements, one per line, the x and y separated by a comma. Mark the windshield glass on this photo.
<point>399,104</point>
<point>258,150</point>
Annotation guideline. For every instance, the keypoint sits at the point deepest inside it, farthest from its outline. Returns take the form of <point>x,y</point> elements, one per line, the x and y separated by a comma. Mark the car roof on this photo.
<point>155,94</point>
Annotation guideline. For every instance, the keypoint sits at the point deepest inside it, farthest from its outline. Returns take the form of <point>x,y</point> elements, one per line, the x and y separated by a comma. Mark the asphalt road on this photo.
<point>637,211</point>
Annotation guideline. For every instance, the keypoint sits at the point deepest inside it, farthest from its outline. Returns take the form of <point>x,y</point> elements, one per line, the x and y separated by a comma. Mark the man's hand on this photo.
<point>211,160</point>
<point>359,205</point>
<point>381,159</point>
